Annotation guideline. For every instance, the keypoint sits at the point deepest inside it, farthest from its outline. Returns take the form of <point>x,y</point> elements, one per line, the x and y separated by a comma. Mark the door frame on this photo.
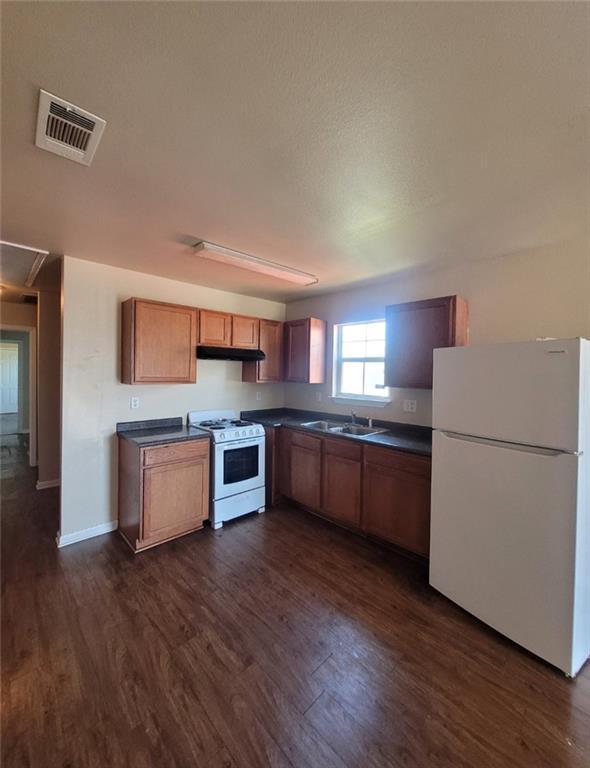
<point>18,344</point>
<point>32,332</point>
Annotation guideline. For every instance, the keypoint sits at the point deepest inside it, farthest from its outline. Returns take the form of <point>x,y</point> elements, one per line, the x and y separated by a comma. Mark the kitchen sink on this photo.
<point>356,429</point>
<point>343,429</point>
<point>324,426</point>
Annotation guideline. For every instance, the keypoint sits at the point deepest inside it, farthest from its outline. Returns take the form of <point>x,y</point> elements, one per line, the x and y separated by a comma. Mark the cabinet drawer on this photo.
<point>343,449</point>
<point>164,454</point>
<point>306,441</point>
<point>407,462</point>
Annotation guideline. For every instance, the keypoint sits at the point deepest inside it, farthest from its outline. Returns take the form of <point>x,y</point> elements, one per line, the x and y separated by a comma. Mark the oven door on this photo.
<point>238,467</point>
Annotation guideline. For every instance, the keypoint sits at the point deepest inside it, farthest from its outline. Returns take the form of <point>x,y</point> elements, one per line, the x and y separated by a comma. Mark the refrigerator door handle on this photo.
<point>510,446</point>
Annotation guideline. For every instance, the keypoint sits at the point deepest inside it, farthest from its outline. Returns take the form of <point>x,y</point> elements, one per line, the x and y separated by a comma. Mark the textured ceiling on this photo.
<point>350,140</point>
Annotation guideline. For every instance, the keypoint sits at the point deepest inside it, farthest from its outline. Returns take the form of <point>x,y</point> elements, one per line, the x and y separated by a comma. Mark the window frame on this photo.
<point>337,393</point>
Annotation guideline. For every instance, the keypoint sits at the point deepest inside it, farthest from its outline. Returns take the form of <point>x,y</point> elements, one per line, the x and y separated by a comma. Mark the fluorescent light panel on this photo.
<point>253,263</point>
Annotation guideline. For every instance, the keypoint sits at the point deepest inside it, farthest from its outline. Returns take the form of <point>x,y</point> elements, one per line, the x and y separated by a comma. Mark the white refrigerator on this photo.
<point>510,530</point>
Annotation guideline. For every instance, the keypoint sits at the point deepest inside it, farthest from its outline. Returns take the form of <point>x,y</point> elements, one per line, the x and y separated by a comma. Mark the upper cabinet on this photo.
<point>271,343</point>
<point>414,330</point>
<point>305,351</point>
<point>220,329</point>
<point>215,328</point>
<point>244,332</point>
<point>158,342</point>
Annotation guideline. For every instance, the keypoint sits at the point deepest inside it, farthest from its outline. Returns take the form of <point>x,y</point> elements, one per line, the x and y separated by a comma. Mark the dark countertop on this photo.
<point>159,431</point>
<point>405,437</point>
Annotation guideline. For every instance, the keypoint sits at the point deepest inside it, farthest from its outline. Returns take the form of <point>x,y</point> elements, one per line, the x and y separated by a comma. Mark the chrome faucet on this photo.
<point>353,417</point>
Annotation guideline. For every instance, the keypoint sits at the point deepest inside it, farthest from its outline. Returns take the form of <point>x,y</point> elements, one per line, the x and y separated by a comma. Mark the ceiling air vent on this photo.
<point>67,130</point>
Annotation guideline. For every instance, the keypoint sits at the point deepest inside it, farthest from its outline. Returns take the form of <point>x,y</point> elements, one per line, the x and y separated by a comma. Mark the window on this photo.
<point>359,361</point>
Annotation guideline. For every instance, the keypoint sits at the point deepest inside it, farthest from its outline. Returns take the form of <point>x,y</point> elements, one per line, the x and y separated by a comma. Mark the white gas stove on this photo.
<point>225,428</point>
<point>237,466</point>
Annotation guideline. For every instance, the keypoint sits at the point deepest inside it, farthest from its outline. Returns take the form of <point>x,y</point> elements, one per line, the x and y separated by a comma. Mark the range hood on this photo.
<point>229,353</point>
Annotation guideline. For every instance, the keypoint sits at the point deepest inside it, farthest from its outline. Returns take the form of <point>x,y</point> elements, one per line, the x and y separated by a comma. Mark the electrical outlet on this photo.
<point>259,395</point>
<point>410,406</point>
<point>318,396</point>
<point>134,402</point>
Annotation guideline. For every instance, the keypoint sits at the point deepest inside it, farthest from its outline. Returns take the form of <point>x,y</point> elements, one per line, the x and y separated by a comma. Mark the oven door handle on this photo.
<point>236,444</point>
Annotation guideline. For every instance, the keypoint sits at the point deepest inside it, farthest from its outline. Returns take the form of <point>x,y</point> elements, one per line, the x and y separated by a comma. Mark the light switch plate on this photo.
<point>318,396</point>
<point>259,395</point>
<point>410,406</point>
<point>134,403</point>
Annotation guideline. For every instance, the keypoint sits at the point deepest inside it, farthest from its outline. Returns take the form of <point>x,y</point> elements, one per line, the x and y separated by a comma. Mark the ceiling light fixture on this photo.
<point>253,263</point>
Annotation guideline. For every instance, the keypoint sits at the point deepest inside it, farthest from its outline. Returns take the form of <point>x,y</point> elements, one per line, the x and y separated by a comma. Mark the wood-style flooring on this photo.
<point>279,641</point>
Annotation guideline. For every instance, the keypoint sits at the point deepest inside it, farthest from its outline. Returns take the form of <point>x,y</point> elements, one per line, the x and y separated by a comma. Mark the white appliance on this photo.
<point>237,464</point>
<point>510,535</point>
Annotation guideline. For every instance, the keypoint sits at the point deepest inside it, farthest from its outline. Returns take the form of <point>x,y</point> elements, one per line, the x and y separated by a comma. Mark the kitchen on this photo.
<point>319,487</point>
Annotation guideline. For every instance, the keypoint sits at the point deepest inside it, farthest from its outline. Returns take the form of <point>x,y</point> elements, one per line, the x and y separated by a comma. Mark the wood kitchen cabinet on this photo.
<point>244,332</point>
<point>413,330</point>
<point>215,328</point>
<point>305,475</point>
<point>271,343</point>
<point>158,342</point>
<point>163,491</point>
<point>272,470</point>
<point>220,329</point>
<point>283,460</point>
<point>341,481</point>
<point>382,492</point>
<point>305,351</point>
<point>396,498</point>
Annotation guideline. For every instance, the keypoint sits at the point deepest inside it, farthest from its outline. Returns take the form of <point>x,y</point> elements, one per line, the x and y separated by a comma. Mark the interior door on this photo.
<point>525,392</point>
<point>8,378</point>
<point>503,533</point>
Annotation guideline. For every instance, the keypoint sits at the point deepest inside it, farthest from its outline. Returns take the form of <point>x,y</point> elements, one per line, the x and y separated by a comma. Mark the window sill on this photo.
<point>367,401</point>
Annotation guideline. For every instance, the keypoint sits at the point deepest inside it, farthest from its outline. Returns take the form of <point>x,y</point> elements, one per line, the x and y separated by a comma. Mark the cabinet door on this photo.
<point>341,484</point>
<point>175,499</point>
<point>164,343</point>
<point>297,350</point>
<point>215,328</point>
<point>413,331</point>
<point>283,448</point>
<point>271,343</point>
<point>305,470</point>
<point>396,507</point>
<point>244,332</point>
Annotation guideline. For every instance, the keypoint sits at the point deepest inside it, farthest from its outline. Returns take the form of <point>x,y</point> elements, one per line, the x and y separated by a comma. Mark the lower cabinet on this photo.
<point>382,492</point>
<point>163,491</point>
<point>396,498</point>
<point>341,482</point>
<point>305,470</point>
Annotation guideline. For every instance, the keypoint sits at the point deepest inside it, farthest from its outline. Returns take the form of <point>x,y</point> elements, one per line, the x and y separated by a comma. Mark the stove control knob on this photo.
<point>222,436</point>
<point>250,431</point>
<point>236,434</point>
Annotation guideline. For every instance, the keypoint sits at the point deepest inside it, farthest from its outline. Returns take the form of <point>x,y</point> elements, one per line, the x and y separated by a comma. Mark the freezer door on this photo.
<point>503,535</point>
<point>525,392</point>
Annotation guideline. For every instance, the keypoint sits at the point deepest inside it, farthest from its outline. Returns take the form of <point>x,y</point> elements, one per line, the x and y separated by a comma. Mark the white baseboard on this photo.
<point>86,533</point>
<point>41,484</point>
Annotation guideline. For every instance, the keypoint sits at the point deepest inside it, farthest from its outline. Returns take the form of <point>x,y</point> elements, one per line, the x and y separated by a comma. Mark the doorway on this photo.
<point>10,402</point>
<point>18,386</point>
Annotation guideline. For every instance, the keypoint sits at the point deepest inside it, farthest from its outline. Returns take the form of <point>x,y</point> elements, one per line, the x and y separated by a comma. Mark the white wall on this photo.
<point>94,400</point>
<point>542,292</point>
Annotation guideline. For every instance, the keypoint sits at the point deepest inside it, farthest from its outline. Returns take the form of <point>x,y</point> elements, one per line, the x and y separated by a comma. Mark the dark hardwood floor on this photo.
<point>278,641</point>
